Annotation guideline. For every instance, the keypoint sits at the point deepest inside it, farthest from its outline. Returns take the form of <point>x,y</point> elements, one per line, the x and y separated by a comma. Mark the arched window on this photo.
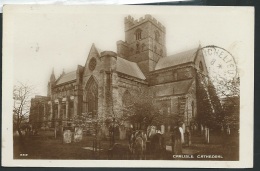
<point>91,97</point>
<point>157,35</point>
<point>138,34</point>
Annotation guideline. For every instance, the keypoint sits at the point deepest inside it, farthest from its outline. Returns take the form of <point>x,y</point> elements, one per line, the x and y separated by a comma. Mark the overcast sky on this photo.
<point>60,37</point>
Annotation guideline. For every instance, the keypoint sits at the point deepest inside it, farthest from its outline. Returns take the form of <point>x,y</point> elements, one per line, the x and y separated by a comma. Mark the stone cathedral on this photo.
<point>141,62</point>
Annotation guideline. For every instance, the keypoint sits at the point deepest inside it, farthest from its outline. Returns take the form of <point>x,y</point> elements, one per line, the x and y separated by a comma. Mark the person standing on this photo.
<point>176,141</point>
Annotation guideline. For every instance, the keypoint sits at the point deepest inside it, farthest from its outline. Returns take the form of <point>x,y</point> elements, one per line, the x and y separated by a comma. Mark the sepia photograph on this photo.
<point>134,83</point>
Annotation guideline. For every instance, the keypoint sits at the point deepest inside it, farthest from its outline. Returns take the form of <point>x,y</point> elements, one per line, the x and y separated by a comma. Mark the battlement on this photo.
<point>130,22</point>
<point>120,42</point>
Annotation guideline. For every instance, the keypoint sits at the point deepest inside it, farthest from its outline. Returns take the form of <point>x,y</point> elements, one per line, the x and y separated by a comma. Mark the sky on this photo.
<point>60,37</point>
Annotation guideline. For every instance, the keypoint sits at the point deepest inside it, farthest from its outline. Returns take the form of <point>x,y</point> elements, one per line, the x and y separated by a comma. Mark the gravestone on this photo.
<point>148,131</point>
<point>153,130</point>
<point>122,132</point>
<point>182,134</point>
<point>228,130</point>
<point>162,129</point>
<point>67,136</point>
<point>201,129</point>
<point>78,134</point>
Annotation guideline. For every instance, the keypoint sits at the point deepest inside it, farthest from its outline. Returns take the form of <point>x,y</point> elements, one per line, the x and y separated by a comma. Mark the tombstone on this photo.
<point>104,132</point>
<point>162,129</point>
<point>169,128</point>
<point>206,135</point>
<point>153,131</point>
<point>148,131</point>
<point>182,134</point>
<point>222,129</point>
<point>122,132</point>
<point>183,128</point>
<point>195,127</point>
<point>78,134</point>
<point>228,130</point>
<point>67,136</point>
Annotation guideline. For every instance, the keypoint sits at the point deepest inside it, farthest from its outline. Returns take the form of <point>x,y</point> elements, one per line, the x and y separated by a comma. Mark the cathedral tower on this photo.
<point>145,41</point>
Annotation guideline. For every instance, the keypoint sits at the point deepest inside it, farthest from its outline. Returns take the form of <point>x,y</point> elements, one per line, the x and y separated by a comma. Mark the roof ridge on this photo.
<point>135,72</point>
<point>177,59</point>
<point>181,52</point>
<point>67,77</point>
<point>69,72</point>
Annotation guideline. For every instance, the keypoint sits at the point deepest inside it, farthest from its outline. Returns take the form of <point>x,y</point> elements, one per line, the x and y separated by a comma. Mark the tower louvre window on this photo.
<point>138,34</point>
<point>157,35</point>
<point>143,46</point>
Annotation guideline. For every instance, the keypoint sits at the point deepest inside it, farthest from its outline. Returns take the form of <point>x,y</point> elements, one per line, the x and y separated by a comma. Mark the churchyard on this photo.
<point>44,145</point>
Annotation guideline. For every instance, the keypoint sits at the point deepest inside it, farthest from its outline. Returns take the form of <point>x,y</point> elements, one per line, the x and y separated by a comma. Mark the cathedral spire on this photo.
<point>52,78</point>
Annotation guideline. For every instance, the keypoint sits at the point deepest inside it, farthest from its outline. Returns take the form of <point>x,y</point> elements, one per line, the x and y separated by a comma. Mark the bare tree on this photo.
<point>21,107</point>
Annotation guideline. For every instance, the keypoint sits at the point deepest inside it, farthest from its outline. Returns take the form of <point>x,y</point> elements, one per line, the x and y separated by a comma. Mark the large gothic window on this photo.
<point>91,97</point>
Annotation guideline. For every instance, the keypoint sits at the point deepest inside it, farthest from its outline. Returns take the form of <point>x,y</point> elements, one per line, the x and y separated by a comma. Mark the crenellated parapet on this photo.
<point>122,49</point>
<point>130,22</point>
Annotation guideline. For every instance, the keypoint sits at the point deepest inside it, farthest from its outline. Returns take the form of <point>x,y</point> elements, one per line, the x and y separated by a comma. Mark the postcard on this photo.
<point>128,86</point>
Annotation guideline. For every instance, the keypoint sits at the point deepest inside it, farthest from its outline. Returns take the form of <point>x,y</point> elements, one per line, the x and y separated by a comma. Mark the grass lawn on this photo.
<point>45,146</point>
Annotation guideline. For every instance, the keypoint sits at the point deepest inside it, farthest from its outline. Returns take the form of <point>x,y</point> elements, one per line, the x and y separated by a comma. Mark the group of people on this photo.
<point>142,143</point>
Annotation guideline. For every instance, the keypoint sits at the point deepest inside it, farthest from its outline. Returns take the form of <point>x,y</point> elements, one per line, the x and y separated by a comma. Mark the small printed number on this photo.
<point>23,154</point>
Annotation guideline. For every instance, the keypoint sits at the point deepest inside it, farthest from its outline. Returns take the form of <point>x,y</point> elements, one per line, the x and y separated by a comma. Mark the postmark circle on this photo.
<point>221,63</point>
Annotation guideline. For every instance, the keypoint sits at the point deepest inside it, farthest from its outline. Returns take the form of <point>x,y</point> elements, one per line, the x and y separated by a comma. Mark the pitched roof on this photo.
<point>129,68</point>
<point>71,76</point>
<point>177,59</point>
